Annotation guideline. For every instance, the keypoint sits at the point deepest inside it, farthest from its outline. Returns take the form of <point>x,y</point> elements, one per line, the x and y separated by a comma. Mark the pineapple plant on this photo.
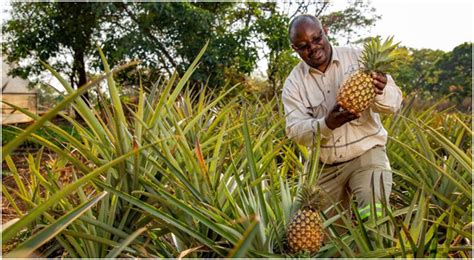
<point>305,232</point>
<point>357,92</point>
<point>159,211</point>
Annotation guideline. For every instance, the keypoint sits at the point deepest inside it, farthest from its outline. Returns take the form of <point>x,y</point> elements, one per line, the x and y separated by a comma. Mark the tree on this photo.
<point>453,73</point>
<point>274,31</point>
<point>61,34</point>
<point>412,70</point>
<point>433,74</point>
<point>347,24</point>
<point>165,37</point>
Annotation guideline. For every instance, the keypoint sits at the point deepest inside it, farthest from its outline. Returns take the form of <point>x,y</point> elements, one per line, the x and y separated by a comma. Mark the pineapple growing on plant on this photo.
<point>357,92</point>
<point>305,232</point>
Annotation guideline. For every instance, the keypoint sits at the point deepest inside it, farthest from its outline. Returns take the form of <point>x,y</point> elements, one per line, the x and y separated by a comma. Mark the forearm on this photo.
<point>305,131</point>
<point>302,124</point>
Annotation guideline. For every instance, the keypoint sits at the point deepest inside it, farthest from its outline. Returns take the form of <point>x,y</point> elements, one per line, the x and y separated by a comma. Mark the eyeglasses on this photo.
<point>316,40</point>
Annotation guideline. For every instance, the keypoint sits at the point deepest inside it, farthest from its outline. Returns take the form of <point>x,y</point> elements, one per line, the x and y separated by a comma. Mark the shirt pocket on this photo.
<point>314,103</point>
<point>351,69</point>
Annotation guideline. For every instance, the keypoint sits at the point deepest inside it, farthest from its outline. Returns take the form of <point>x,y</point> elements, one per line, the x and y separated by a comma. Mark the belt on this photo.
<point>334,164</point>
<point>338,163</point>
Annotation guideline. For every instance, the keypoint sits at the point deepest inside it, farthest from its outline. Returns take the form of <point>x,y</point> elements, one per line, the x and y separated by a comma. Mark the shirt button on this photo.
<point>340,156</point>
<point>329,91</point>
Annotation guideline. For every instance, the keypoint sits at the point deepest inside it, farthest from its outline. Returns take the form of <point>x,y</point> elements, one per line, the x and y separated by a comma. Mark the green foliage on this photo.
<point>453,73</point>
<point>50,32</point>
<point>412,70</point>
<point>378,55</point>
<point>280,68</point>
<point>11,132</point>
<point>163,36</point>
<point>233,31</point>
<point>433,74</point>
<point>166,36</point>
<point>280,58</point>
<point>348,23</point>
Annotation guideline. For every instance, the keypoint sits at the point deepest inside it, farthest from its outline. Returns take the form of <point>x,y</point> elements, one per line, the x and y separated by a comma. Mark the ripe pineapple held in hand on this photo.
<point>358,91</point>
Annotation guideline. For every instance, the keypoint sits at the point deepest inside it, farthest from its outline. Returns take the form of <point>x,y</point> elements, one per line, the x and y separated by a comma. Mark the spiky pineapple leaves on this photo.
<point>167,204</point>
<point>98,133</point>
<point>378,55</point>
<point>9,147</point>
<point>27,248</point>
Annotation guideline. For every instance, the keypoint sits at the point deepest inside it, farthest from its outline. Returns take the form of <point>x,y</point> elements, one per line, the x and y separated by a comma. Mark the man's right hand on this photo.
<point>337,118</point>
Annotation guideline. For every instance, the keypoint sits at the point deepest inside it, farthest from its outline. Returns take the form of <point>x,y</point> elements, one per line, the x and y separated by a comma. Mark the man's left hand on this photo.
<point>380,80</point>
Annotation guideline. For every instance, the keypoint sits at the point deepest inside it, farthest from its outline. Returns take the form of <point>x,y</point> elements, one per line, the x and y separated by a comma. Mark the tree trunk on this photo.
<point>81,70</point>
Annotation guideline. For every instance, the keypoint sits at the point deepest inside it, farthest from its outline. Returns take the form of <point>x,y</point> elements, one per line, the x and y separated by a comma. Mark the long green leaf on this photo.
<point>116,251</point>
<point>245,242</point>
<point>253,170</point>
<point>30,245</point>
<point>186,76</point>
<point>80,105</point>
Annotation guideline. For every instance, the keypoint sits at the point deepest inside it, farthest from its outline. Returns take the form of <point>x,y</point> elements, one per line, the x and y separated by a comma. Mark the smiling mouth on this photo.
<point>317,55</point>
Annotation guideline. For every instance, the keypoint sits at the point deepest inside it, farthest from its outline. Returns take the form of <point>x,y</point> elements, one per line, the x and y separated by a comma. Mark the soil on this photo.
<point>21,163</point>
<point>8,211</point>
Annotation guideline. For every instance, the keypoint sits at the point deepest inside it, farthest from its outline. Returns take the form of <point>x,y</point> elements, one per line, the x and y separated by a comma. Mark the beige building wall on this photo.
<point>10,115</point>
<point>15,91</point>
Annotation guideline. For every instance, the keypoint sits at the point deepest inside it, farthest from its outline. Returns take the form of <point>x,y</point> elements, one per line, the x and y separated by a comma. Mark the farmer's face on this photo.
<point>310,42</point>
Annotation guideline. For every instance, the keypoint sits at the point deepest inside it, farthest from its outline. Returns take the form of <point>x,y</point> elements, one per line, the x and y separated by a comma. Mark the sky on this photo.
<point>432,24</point>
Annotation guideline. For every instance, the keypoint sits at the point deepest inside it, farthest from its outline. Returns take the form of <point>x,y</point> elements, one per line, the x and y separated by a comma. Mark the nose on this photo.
<point>314,46</point>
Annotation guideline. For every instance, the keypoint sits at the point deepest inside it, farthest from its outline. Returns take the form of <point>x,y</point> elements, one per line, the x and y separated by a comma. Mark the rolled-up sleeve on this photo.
<point>300,126</point>
<point>391,99</point>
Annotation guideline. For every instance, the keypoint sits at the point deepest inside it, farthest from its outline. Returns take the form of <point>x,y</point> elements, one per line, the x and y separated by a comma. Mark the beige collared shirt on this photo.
<point>309,95</point>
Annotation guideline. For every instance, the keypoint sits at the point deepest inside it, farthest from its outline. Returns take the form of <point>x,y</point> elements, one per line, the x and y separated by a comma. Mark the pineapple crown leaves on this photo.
<point>278,237</point>
<point>378,56</point>
<point>312,197</point>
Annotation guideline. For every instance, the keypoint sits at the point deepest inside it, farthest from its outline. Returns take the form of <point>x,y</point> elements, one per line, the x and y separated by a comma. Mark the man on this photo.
<point>352,145</point>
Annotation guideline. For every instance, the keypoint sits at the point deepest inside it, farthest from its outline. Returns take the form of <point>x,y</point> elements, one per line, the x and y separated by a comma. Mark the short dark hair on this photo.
<point>301,18</point>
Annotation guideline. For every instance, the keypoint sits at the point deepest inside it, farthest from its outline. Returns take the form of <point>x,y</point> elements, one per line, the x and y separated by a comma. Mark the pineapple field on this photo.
<point>212,174</point>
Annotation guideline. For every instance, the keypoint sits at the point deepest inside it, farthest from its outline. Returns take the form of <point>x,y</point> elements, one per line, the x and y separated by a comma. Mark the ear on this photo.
<point>325,29</point>
<point>293,47</point>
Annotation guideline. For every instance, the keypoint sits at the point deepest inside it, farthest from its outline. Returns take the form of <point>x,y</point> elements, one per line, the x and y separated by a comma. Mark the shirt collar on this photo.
<point>334,59</point>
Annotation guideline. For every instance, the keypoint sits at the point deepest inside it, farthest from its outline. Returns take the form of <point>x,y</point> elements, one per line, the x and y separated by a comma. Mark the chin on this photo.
<point>314,64</point>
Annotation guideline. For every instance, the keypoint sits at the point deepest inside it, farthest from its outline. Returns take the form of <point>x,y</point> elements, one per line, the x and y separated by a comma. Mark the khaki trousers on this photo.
<point>361,177</point>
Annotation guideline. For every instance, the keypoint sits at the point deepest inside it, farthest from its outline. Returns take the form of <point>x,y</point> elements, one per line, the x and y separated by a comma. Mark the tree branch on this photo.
<point>301,7</point>
<point>322,9</point>
<point>147,31</point>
